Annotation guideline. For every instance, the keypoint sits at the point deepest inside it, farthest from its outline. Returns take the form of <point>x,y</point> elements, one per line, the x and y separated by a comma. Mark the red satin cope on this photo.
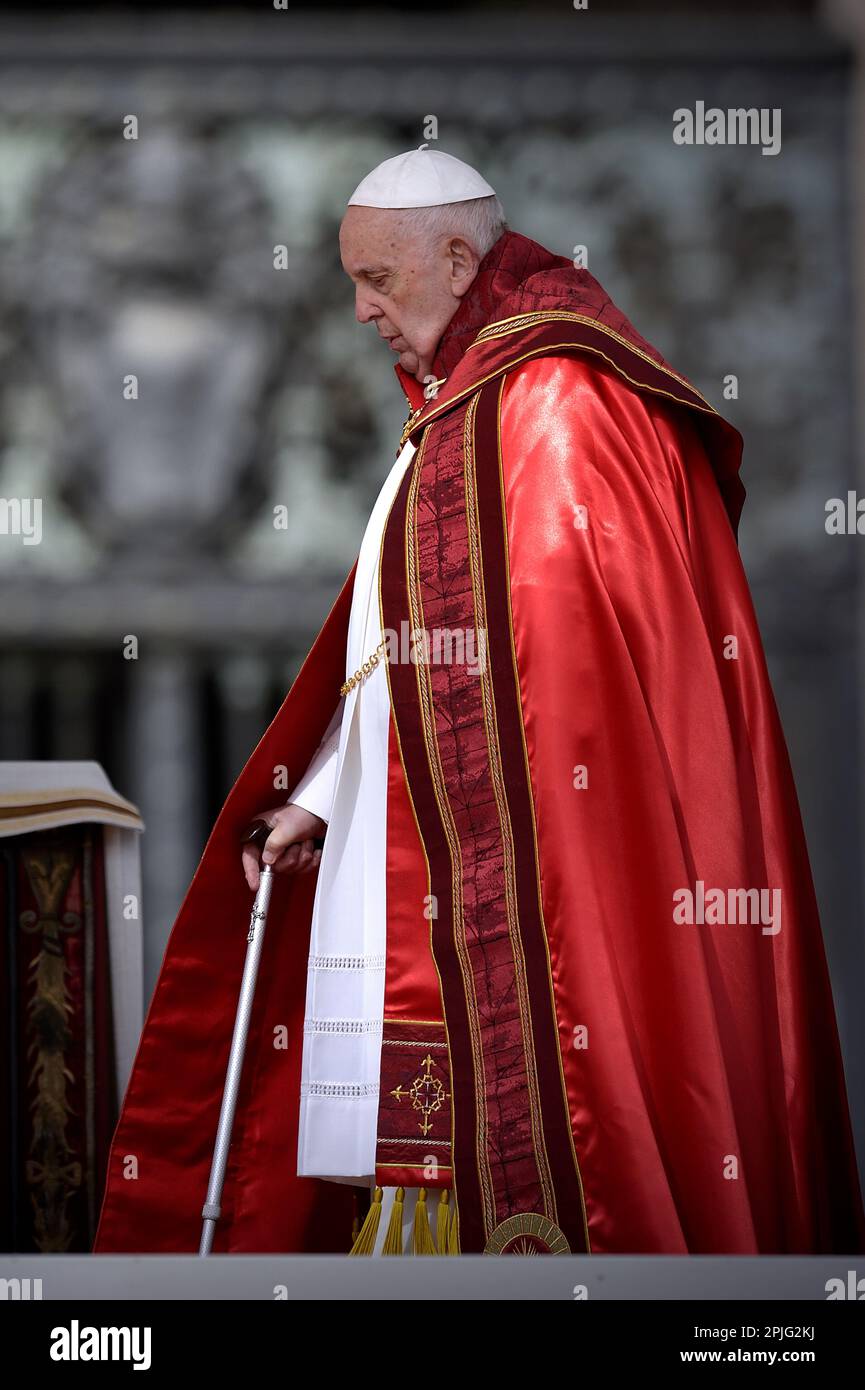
<point>702,1066</point>
<point>702,1062</point>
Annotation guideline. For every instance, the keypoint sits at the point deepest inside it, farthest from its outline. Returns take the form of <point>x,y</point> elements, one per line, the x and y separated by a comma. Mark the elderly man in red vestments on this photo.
<point>559,965</point>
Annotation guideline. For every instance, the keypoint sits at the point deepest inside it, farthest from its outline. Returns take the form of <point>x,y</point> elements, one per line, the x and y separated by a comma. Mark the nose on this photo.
<point>364,309</point>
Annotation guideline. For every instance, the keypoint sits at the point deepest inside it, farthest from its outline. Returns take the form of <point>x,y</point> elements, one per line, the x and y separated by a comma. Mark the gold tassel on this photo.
<point>442,1221</point>
<point>453,1234</point>
<point>393,1239</point>
<point>365,1242</point>
<point>421,1236</point>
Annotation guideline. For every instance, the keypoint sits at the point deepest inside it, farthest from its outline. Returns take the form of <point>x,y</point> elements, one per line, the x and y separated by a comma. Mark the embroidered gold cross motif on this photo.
<point>426,1093</point>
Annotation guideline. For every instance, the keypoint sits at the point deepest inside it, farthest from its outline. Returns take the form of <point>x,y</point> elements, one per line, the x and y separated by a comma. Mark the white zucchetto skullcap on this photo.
<point>420,178</point>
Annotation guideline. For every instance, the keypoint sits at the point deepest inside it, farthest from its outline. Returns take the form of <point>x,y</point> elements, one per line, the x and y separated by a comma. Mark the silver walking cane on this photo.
<point>255,938</point>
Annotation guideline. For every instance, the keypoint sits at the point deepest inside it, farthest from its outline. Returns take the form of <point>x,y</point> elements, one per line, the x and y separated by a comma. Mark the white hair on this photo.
<point>480,220</point>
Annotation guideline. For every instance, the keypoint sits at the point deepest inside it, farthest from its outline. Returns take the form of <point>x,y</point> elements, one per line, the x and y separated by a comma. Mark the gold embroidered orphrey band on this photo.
<point>431,390</point>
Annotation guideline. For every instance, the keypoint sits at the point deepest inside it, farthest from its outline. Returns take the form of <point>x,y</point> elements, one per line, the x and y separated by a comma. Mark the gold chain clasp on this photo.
<point>364,670</point>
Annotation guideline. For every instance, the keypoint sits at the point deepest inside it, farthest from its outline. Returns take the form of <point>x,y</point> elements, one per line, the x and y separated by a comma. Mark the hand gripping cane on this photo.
<point>255,938</point>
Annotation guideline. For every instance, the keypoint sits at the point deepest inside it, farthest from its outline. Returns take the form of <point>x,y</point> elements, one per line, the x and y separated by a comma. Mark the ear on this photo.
<point>464,261</point>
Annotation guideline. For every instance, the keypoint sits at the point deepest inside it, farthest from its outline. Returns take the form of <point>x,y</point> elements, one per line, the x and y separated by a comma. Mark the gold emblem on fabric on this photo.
<point>527,1233</point>
<point>426,1093</point>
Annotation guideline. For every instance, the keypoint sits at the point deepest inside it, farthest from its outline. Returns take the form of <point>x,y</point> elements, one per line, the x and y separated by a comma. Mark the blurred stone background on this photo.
<point>258,388</point>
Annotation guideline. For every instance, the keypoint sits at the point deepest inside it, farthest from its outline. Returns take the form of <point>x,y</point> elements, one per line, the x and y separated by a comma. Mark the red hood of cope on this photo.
<point>503,270</point>
<point>562,308</point>
<point>517,276</point>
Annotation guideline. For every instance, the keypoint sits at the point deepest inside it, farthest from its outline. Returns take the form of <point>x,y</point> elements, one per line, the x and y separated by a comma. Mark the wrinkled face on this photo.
<point>406,285</point>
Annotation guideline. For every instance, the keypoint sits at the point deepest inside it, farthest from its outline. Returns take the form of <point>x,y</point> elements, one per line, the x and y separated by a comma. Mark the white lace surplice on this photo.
<point>346,784</point>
